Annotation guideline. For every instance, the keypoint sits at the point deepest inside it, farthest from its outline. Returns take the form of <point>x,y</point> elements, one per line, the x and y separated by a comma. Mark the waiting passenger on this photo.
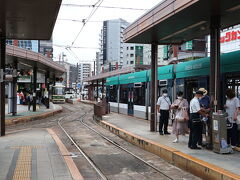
<point>232,106</point>
<point>180,105</point>
<point>195,122</point>
<point>163,107</point>
<point>30,100</point>
<point>205,104</point>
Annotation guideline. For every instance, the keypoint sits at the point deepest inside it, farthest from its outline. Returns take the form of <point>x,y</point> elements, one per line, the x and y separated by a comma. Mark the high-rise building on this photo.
<point>41,46</point>
<point>99,63</point>
<point>26,44</point>
<point>84,71</point>
<point>46,48</point>
<point>140,55</point>
<point>70,77</point>
<point>111,41</point>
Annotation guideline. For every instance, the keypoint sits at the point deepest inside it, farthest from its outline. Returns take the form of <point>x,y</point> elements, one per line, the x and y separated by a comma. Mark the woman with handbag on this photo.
<point>232,106</point>
<point>180,105</point>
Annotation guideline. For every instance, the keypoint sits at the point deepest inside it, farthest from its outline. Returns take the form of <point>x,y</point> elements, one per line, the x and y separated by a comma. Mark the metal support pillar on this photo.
<point>92,92</point>
<point>214,82</point>
<point>34,88</point>
<point>97,90</point>
<point>46,96</point>
<point>54,80</point>
<point>14,88</point>
<point>154,62</point>
<point>10,97</point>
<point>103,84</point>
<point>2,83</point>
<point>214,85</point>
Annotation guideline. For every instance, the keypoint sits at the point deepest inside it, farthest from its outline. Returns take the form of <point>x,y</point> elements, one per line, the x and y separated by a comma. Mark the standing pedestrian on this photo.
<point>205,104</point>
<point>163,107</point>
<point>195,122</point>
<point>180,105</point>
<point>232,106</point>
<point>30,100</point>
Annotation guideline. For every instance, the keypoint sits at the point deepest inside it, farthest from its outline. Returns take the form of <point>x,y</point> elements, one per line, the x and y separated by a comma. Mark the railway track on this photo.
<point>100,154</point>
<point>97,169</point>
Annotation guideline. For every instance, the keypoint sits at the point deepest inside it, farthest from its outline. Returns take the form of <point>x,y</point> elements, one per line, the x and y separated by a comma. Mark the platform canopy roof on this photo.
<point>176,21</point>
<point>28,19</point>
<point>28,59</point>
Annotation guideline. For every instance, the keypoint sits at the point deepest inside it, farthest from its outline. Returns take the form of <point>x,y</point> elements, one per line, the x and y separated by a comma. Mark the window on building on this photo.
<point>131,62</point>
<point>132,48</point>
<point>127,48</point>
<point>131,55</point>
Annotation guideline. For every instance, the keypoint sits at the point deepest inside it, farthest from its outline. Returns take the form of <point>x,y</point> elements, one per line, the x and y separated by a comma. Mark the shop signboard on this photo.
<point>27,78</point>
<point>24,79</point>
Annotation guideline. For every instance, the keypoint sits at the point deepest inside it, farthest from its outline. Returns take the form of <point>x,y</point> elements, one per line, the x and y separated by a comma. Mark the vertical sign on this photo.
<point>189,45</point>
<point>165,52</point>
<point>138,55</point>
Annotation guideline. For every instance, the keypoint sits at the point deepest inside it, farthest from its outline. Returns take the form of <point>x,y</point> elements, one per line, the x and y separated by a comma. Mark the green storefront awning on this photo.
<point>133,77</point>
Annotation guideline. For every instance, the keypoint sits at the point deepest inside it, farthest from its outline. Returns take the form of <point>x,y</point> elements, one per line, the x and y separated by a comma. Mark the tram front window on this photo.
<point>58,91</point>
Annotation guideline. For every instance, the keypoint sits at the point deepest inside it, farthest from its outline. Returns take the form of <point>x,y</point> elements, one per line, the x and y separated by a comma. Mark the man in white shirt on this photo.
<point>163,107</point>
<point>195,122</point>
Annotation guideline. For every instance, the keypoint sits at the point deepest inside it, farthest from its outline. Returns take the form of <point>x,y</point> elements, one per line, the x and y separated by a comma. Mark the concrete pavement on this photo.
<point>23,115</point>
<point>31,154</point>
<point>136,131</point>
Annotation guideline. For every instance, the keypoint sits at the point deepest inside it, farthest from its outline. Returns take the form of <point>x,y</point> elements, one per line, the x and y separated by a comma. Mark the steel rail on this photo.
<point>80,150</point>
<point>122,148</point>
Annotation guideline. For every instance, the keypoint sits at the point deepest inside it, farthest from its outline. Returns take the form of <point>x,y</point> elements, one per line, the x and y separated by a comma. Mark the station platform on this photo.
<point>32,154</point>
<point>23,115</point>
<point>203,163</point>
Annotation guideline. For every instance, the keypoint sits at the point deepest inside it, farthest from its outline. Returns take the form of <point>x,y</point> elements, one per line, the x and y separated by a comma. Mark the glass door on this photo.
<point>130,99</point>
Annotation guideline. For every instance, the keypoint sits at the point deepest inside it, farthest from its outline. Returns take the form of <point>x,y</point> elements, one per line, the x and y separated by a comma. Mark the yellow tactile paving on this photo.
<point>24,163</point>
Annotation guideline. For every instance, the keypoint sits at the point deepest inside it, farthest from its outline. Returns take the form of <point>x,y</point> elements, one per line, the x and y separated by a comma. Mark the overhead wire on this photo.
<point>108,7</point>
<point>95,7</point>
<point>82,20</point>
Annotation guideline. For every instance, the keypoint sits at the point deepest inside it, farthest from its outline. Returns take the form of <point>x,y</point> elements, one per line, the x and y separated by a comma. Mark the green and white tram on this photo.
<point>58,93</point>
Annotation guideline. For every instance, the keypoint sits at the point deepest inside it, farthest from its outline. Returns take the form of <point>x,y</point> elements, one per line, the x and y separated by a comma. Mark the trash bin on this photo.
<point>219,134</point>
<point>99,109</point>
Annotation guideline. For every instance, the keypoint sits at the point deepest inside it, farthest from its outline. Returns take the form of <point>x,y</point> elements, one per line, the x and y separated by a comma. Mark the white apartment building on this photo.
<point>140,54</point>
<point>84,71</point>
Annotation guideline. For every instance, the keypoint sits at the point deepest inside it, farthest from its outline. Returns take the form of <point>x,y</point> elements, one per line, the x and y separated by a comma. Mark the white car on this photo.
<point>69,95</point>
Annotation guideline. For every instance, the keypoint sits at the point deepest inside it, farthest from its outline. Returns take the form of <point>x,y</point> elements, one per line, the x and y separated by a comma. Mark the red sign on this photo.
<point>230,36</point>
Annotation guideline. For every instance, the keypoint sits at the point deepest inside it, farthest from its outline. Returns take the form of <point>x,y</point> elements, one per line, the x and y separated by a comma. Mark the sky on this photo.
<point>66,30</point>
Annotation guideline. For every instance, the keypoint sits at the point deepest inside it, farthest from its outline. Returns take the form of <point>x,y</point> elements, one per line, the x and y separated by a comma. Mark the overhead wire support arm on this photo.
<point>95,7</point>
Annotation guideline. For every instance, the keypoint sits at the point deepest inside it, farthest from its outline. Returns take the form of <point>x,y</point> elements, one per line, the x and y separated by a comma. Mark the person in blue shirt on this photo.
<point>205,100</point>
<point>205,104</point>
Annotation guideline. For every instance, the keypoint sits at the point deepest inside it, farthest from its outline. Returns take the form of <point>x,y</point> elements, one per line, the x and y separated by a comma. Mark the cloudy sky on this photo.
<point>66,29</point>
